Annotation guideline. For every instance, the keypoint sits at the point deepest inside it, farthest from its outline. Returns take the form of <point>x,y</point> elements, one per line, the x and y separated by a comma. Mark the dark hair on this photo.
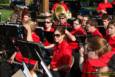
<point>78,20</point>
<point>105,17</point>
<point>111,23</point>
<point>60,29</point>
<point>92,22</point>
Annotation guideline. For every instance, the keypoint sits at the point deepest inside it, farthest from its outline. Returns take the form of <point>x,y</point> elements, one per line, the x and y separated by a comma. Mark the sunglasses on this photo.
<point>47,22</point>
<point>62,18</point>
<point>57,35</point>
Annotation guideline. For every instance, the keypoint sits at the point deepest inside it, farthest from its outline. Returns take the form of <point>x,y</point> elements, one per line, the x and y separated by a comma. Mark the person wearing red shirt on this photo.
<point>78,30</point>
<point>111,34</point>
<point>102,7</point>
<point>30,27</point>
<point>113,2</point>
<point>90,28</point>
<point>48,28</point>
<point>48,25</point>
<point>106,19</point>
<point>63,20</point>
<point>99,54</point>
<point>62,54</point>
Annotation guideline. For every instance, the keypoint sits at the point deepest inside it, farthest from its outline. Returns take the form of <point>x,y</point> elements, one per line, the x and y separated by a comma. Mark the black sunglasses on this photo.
<point>57,35</point>
<point>62,18</point>
<point>47,22</point>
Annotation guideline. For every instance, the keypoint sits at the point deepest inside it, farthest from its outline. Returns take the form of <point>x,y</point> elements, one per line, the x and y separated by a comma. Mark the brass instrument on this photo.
<point>60,9</point>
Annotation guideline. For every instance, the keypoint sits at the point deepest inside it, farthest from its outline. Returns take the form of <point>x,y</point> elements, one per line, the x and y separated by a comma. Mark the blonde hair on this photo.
<point>32,25</point>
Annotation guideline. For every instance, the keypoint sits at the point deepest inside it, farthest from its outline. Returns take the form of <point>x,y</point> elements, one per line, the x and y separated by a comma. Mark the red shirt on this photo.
<point>97,33</point>
<point>62,55</point>
<point>103,60</point>
<point>113,2</point>
<point>35,37</point>
<point>104,6</point>
<point>19,56</point>
<point>111,41</point>
<point>90,65</point>
<point>88,70</point>
<point>66,24</point>
<point>79,31</point>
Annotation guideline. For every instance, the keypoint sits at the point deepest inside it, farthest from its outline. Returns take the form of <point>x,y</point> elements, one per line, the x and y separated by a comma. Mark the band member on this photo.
<point>91,28</point>
<point>98,53</point>
<point>111,34</point>
<point>102,7</point>
<point>62,54</point>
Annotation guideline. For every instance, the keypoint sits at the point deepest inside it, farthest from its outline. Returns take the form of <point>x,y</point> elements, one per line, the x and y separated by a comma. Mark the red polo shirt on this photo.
<point>79,31</point>
<point>35,37</point>
<point>62,55</point>
<point>103,60</point>
<point>66,24</point>
<point>104,6</point>
<point>90,65</point>
<point>97,33</point>
<point>87,69</point>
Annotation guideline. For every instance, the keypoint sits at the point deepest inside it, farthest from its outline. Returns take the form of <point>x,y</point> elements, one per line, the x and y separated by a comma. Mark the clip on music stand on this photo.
<point>33,50</point>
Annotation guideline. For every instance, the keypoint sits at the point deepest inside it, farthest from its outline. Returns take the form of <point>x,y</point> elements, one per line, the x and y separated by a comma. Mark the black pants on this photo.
<point>75,70</point>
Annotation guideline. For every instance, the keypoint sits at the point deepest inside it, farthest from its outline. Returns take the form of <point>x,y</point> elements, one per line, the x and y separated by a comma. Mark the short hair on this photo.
<point>92,22</point>
<point>105,17</point>
<point>60,29</point>
<point>111,23</point>
<point>78,20</point>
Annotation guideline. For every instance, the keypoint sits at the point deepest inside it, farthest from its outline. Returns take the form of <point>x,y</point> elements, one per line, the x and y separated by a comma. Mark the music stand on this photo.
<point>49,36</point>
<point>9,33</point>
<point>33,50</point>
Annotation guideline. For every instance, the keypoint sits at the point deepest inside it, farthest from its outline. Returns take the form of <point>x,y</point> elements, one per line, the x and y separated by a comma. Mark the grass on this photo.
<point>5,14</point>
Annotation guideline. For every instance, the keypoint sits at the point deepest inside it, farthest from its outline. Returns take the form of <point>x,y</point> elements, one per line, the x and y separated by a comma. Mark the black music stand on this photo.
<point>33,50</point>
<point>8,34</point>
<point>49,36</point>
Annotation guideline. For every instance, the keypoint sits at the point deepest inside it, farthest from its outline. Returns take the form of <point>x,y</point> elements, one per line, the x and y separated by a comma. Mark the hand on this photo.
<point>81,51</point>
<point>10,60</point>
<point>66,31</point>
<point>92,55</point>
<point>55,69</point>
<point>49,67</point>
<point>104,11</point>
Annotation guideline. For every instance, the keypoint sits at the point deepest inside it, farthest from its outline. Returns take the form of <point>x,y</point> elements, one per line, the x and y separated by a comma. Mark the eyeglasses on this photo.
<point>57,35</point>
